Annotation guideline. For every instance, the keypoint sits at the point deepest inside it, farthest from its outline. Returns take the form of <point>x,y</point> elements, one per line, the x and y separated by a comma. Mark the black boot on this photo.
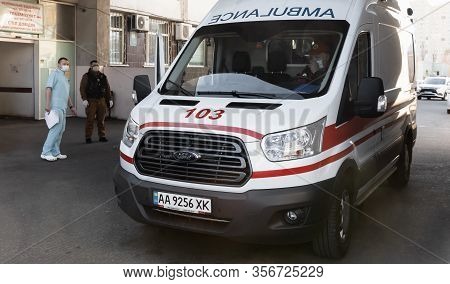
<point>88,140</point>
<point>103,139</point>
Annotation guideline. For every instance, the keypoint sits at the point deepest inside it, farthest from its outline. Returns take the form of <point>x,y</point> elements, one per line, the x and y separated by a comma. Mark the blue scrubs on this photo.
<point>60,96</point>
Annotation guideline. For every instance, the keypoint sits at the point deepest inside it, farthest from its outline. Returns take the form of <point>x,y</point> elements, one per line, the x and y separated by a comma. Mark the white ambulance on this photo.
<point>275,121</point>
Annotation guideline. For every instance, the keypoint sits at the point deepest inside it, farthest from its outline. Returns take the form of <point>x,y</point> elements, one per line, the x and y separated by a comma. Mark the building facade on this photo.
<point>131,46</point>
<point>120,34</point>
<point>432,24</point>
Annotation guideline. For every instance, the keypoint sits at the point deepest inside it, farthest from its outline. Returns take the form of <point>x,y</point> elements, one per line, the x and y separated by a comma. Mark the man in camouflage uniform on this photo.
<point>96,94</point>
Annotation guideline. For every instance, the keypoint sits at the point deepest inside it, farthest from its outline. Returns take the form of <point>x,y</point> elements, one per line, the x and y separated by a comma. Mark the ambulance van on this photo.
<point>275,121</point>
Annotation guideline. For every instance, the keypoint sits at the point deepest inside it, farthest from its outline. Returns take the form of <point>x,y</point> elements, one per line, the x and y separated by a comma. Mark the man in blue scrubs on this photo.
<point>57,95</point>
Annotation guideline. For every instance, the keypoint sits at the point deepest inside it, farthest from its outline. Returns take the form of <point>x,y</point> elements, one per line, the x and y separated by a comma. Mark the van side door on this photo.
<point>368,140</point>
<point>396,63</point>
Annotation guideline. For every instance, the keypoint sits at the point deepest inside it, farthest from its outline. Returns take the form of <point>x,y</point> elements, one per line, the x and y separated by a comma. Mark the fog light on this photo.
<point>295,217</point>
<point>291,217</point>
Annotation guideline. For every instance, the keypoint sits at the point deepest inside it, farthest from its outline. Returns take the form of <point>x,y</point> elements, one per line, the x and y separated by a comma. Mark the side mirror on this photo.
<point>371,102</point>
<point>134,97</point>
<point>141,88</point>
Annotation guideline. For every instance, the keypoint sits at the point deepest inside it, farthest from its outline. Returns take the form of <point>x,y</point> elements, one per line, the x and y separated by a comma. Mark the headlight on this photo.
<point>131,132</point>
<point>294,144</point>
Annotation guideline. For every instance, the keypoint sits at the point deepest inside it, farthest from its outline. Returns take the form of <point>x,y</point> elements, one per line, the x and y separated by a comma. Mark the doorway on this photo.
<point>17,94</point>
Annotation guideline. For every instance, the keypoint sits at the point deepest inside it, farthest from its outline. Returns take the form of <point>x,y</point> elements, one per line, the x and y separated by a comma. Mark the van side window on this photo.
<point>360,67</point>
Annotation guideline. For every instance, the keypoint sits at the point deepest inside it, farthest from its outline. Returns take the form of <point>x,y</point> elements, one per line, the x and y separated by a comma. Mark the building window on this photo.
<point>198,59</point>
<point>163,28</point>
<point>116,39</point>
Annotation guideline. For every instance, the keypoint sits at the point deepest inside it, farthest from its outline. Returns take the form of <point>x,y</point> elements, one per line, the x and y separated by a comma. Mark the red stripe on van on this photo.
<point>329,160</point>
<point>303,169</point>
<point>204,126</point>
<point>334,136</point>
<point>126,158</point>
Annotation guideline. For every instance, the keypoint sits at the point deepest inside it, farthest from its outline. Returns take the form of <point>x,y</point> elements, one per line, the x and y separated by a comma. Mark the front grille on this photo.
<point>428,91</point>
<point>224,160</point>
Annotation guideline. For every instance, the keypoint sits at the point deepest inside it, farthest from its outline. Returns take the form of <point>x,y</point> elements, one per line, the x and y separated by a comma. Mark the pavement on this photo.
<point>66,212</point>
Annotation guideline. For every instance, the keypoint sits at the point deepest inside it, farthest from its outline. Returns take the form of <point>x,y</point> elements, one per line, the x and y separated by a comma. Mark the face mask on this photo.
<point>96,68</point>
<point>65,68</point>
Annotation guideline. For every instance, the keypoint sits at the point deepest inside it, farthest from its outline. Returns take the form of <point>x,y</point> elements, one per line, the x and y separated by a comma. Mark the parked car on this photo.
<point>434,87</point>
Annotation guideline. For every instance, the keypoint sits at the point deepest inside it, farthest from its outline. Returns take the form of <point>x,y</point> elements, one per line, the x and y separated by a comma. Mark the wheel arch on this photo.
<point>349,170</point>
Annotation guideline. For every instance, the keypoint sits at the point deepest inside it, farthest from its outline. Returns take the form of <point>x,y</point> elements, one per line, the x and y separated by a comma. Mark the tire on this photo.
<point>428,98</point>
<point>333,240</point>
<point>419,98</point>
<point>448,111</point>
<point>400,178</point>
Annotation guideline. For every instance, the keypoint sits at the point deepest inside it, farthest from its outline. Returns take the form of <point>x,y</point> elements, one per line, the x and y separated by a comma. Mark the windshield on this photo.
<point>434,81</point>
<point>270,60</point>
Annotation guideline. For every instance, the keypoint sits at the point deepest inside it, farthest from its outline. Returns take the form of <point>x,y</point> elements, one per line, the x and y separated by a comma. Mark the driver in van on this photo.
<point>319,61</point>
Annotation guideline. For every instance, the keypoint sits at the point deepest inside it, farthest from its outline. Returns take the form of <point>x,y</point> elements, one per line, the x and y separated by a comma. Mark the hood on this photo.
<point>248,119</point>
<point>429,86</point>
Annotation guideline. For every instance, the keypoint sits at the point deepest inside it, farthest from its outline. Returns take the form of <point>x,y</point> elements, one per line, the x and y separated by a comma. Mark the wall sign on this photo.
<point>20,17</point>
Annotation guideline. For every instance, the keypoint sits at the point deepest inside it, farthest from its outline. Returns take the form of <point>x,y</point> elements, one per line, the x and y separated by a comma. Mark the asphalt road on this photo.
<point>66,212</point>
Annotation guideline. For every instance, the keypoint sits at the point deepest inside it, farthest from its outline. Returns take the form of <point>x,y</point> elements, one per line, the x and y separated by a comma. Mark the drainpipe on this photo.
<point>184,10</point>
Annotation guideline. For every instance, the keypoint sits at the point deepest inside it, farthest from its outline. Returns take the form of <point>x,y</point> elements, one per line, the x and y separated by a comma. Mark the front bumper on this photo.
<point>429,94</point>
<point>255,216</point>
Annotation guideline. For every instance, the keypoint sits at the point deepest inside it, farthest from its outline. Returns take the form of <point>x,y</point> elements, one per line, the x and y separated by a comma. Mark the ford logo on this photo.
<point>186,156</point>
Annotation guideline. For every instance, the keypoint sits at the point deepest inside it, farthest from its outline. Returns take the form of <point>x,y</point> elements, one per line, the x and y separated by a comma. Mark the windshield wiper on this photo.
<point>181,89</point>
<point>237,94</point>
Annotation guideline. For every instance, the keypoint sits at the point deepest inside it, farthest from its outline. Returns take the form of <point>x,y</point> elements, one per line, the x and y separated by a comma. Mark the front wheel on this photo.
<point>334,239</point>
<point>400,177</point>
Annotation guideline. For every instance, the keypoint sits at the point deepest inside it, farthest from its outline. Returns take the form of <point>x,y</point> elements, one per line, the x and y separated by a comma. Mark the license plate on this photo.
<point>182,203</point>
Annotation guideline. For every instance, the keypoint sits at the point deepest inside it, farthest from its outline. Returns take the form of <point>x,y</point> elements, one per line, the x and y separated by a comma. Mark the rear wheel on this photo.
<point>400,178</point>
<point>334,239</point>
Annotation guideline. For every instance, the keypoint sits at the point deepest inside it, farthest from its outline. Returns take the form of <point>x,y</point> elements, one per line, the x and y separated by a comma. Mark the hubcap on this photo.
<point>344,212</point>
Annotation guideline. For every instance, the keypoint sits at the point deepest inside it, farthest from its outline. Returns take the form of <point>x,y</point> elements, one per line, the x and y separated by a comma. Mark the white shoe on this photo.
<point>49,158</point>
<point>61,157</point>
